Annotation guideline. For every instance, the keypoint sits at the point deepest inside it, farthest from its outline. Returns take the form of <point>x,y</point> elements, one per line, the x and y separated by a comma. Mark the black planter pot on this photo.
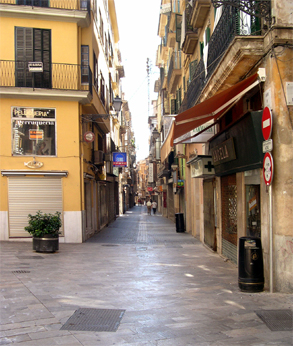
<point>48,243</point>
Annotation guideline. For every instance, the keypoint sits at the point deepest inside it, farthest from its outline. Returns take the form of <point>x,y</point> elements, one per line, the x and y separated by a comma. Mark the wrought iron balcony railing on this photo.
<point>195,87</point>
<point>231,24</point>
<point>82,5</point>
<point>55,76</point>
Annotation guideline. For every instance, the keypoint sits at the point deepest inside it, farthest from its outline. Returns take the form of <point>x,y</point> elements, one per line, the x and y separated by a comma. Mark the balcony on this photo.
<point>58,81</point>
<point>73,11</point>
<point>190,41</point>
<point>234,48</point>
<point>174,71</point>
<point>199,13</point>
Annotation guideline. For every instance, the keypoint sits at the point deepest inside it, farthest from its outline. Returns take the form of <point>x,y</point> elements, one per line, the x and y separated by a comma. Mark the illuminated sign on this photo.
<point>119,160</point>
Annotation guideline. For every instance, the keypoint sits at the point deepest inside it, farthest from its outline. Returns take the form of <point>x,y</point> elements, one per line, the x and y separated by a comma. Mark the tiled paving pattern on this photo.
<point>174,291</point>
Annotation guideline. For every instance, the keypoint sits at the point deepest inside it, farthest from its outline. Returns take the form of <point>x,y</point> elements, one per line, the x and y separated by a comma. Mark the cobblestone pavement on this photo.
<point>172,290</point>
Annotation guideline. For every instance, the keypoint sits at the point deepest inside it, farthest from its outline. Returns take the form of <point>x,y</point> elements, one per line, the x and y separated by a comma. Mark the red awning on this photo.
<point>211,108</point>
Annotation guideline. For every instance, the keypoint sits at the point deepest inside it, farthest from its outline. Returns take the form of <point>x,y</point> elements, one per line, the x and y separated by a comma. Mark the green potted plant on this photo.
<point>45,231</point>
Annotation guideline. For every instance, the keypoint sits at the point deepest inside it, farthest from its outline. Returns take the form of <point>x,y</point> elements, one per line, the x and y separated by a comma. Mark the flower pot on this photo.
<point>48,243</point>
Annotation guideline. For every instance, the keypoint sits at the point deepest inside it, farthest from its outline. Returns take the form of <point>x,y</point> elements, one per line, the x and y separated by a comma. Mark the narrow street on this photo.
<point>158,286</point>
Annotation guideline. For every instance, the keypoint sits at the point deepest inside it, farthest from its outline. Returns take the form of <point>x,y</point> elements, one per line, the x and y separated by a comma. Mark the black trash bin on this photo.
<point>250,265</point>
<point>179,222</point>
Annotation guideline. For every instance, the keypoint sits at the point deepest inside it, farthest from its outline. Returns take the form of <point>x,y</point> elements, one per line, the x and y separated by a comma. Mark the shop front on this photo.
<point>238,158</point>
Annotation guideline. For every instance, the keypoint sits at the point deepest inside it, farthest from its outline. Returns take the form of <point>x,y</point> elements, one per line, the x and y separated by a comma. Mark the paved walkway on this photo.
<point>172,290</point>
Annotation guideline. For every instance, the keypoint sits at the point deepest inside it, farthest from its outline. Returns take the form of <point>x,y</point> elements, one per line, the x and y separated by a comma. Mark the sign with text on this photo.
<point>224,152</point>
<point>119,160</point>
<point>151,172</point>
<point>35,66</point>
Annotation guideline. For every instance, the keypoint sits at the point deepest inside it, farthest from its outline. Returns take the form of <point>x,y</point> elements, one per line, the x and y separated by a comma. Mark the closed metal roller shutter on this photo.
<point>27,195</point>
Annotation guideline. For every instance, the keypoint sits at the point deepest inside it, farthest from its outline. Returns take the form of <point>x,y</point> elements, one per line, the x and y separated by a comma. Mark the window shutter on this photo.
<point>201,49</point>
<point>42,52</point>
<point>192,67</point>
<point>208,34</point>
<point>173,106</point>
<point>84,64</point>
<point>178,27</point>
<point>24,54</point>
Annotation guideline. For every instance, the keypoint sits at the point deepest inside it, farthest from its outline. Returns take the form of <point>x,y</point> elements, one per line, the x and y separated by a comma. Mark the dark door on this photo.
<point>210,238</point>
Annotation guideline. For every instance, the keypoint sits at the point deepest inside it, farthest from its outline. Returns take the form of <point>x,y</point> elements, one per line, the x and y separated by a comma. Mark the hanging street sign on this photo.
<point>119,159</point>
<point>268,168</point>
<point>267,123</point>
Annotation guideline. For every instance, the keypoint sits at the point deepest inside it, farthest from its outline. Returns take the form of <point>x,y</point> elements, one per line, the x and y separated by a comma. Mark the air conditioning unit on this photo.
<point>99,157</point>
<point>108,157</point>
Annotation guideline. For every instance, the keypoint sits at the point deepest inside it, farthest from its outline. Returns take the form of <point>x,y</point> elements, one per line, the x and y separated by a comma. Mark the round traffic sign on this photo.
<point>267,123</point>
<point>89,136</point>
<point>268,168</point>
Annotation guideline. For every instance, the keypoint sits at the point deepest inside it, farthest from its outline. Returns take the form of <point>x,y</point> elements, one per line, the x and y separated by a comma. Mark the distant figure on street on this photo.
<point>154,207</point>
<point>149,206</point>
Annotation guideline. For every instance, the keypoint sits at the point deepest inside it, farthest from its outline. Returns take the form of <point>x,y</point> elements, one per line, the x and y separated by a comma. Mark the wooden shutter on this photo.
<point>27,195</point>
<point>84,64</point>
<point>23,55</point>
<point>42,52</point>
<point>178,27</point>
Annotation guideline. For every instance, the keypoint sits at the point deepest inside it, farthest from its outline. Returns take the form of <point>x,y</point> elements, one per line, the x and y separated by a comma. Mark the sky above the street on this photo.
<point>138,31</point>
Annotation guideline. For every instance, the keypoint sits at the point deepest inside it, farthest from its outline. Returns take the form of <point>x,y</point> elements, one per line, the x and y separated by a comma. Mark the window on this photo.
<point>102,89</point>
<point>84,64</point>
<point>101,28</point>
<point>32,44</point>
<point>33,131</point>
<point>96,73</point>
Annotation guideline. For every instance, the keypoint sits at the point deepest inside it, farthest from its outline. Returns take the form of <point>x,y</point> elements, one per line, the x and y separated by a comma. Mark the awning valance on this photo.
<point>210,109</point>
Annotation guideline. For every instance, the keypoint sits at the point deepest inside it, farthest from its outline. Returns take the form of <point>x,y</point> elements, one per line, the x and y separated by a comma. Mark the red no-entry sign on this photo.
<point>268,168</point>
<point>267,123</point>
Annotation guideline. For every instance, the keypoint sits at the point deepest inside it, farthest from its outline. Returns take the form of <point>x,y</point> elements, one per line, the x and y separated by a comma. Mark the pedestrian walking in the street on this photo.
<point>154,207</point>
<point>149,206</point>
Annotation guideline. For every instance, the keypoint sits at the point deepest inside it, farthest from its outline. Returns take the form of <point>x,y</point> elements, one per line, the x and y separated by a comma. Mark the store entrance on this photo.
<point>253,222</point>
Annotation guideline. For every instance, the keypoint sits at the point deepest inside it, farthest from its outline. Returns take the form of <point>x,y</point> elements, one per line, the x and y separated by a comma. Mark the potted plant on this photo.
<point>45,231</point>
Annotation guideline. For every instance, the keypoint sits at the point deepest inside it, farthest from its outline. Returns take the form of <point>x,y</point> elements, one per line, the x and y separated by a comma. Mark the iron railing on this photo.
<point>83,5</point>
<point>229,26</point>
<point>195,87</point>
<point>57,76</point>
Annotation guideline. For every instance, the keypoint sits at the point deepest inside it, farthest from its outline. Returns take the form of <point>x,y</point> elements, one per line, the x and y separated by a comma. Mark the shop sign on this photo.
<point>165,8</point>
<point>150,189</point>
<point>224,152</point>
<point>151,173</point>
<point>119,160</point>
<point>36,134</point>
<point>252,203</point>
<point>180,183</point>
<point>202,167</point>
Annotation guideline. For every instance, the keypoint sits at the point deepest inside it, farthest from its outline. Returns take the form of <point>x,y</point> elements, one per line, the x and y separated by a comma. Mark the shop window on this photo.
<point>33,131</point>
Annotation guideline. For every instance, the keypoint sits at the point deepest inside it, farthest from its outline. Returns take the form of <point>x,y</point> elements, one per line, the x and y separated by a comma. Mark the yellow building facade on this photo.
<point>58,81</point>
